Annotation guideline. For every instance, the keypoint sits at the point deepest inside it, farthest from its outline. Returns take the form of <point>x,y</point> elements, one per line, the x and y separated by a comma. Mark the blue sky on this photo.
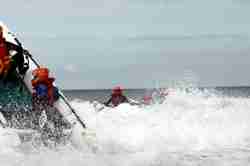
<point>135,43</point>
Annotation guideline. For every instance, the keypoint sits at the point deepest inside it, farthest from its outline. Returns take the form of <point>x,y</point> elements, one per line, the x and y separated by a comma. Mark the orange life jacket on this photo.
<point>4,57</point>
<point>41,76</point>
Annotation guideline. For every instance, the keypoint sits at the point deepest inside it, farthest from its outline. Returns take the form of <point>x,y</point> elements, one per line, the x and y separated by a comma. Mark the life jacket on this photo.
<point>118,99</point>
<point>4,58</point>
<point>42,83</point>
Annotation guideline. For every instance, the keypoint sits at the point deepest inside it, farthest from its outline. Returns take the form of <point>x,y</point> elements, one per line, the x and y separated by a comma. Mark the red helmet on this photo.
<point>117,90</point>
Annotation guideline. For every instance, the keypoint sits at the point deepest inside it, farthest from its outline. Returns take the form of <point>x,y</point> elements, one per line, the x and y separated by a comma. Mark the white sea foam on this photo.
<point>188,129</point>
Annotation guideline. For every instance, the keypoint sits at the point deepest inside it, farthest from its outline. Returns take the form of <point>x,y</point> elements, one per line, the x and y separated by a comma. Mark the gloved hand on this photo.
<point>26,52</point>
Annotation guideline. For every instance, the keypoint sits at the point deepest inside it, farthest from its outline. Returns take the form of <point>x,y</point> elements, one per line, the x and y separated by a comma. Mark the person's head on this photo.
<point>41,72</point>
<point>117,90</point>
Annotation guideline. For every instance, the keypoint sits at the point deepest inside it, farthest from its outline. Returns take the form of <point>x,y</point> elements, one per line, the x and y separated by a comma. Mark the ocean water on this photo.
<point>137,94</point>
<point>204,126</point>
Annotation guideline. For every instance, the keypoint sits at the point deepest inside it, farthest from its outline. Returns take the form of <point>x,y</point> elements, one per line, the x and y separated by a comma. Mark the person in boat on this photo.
<point>117,97</point>
<point>43,98</point>
<point>43,87</point>
<point>8,64</point>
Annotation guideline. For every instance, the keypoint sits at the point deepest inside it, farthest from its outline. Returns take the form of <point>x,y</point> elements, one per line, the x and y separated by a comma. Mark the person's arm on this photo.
<point>15,47</point>
<point>108,102</point>
<point>125,100</point>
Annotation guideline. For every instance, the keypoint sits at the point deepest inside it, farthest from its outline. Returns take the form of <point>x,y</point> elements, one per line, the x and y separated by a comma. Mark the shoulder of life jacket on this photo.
<point>46,81</point>
<point>34,82</point>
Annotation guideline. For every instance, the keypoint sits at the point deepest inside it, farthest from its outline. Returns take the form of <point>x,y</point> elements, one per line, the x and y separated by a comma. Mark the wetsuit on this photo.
<point>116,100</point>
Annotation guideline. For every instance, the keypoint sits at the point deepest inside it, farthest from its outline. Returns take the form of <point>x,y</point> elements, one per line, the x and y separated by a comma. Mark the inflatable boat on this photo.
<point>16,97</point>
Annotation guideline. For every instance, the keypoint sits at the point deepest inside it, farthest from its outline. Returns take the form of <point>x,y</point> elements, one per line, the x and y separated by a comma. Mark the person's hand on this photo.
<point>26,52</point>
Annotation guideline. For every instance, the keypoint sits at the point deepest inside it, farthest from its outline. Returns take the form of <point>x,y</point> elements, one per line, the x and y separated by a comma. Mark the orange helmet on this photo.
<point>42,73</point>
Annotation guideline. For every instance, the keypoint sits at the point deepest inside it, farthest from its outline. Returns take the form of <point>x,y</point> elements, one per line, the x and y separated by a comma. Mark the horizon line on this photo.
<point>241,86</point>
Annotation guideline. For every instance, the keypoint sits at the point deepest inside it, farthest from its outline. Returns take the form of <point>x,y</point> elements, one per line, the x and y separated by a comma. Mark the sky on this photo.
<point>135,43</point>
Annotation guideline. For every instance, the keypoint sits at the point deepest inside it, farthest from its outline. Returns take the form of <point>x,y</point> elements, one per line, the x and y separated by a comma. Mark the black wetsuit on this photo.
<point>116,100</point>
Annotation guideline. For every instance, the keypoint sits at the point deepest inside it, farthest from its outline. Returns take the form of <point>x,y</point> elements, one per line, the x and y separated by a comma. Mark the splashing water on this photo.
<point>187,129</point>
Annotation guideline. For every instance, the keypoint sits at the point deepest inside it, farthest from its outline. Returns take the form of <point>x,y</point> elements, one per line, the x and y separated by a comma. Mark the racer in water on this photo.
<point>116,97</point>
